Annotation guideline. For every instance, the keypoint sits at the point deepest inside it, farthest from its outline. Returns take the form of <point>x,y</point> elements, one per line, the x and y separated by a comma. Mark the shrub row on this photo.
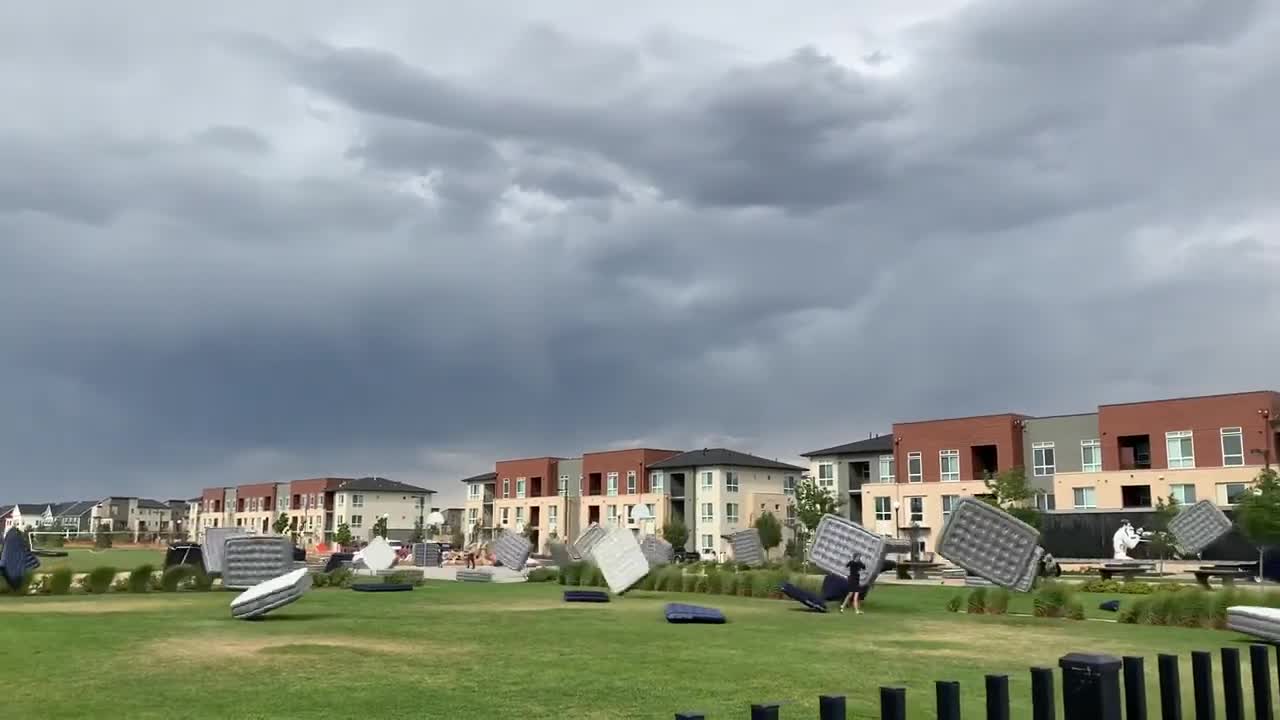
<point>1053,599</point>
<point>1132,587</point>
<point>708,578</point>
<point>1192,607</point>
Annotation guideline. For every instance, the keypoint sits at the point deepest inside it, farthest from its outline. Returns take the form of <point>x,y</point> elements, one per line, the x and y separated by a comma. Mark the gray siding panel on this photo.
<point>1065,432</point>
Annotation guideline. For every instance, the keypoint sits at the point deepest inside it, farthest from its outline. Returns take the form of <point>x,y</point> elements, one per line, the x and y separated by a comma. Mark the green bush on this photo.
<point>729,583</point>
<point>543,574</point>
<point>769,584</point>
<point>571,574</point>
<point>99,579</point>
<point>140,578</point>
<point>50,541</point>
<point>715,582</point>
<point>1075,609</point>
<point>955,603</point>
<point>671,579</point>
<point>746,583</point>
<point>102,541</point>
<point>688,582</point>
<point>1134,612</point>
<point>340,577</point>
<point>1132,587</point>
<point>591,577</point>
<point>58,582</point>
<point>407,577</point>
<point>997,601</point>
<point>1192,608</point>
<point>319,580</point>
<point>699,583</point>
<point>24,586</point>
<point>977,604</point>
<point>174,577</point>
<point>1052,599</point>
<point>201,581</point>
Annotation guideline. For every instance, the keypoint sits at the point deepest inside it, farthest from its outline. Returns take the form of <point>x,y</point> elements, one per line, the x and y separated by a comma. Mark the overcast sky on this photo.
<point>268,241</point>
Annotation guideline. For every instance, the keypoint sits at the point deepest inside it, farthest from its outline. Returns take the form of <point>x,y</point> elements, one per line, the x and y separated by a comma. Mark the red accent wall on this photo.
<point>620,461</point>
<point>1203,416</point>
<point>930,437</point>
<point>527,468</point>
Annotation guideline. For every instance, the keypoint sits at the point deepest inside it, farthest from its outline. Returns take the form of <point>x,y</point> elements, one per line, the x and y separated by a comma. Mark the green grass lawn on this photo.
<point>84,560</point>
<point>470,650</point>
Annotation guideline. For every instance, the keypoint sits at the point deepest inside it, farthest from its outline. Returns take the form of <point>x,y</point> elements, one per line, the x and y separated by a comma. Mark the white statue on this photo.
<point>1125,539</point>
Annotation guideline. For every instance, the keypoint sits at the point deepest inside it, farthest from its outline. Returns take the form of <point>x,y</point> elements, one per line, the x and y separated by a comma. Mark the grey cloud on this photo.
<point>237,139</point>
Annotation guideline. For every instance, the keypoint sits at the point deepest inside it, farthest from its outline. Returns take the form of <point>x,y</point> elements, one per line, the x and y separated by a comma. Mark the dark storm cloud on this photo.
<point>347,255</point>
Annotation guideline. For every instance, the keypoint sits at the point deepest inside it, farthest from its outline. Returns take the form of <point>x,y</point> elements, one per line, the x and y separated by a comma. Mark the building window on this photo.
<point>948,504</point>
<point>519,487</point>
<point>1090,456</point>
<point>473,492</point>
<point>655,482</point>
<point>1043,462</point>
<point>519,516</point>
<point>562,486</point>
<point>357,521</point>
<point>553,516</point>
<point>629,513</point>
<point>506,488</point>
<point>708,480</point>
<point>580,489</point>
<point>1083,498</point>
<point>612,515</point>
<point>730,481</point>
<point>613,484</point>
<point>473,516</point>
<point>1229,493</point>
<point>826,475</point>
<point>791,514</point>
<point>341,498</point>
<point>788,484</point>
<point>631,482</point>
<point>1232,447</point>
<point>1183,494</point>
<point>886,469</point>
<point>506,516</point>
<point>708,545</point>
<point>357,501</point>
<point>731,512</point>
<point>1044,502</point>
<point>949,464</point>
<point>884,509</point>
<point>915,509</point>
<point>708,512</point>
<point>915,467</point>
<point>1182,454</point>
<point>653,510</point>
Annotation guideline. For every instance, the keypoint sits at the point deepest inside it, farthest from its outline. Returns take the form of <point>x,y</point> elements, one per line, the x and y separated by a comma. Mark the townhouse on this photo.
<point>614,482</point>
<point>361,502</point>
<point>845,469</point>
<point>478,523</point>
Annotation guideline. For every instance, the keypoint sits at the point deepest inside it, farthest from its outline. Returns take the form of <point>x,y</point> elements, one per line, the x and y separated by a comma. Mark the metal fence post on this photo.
<point>997,697</point>
<point>1135,689</point>
<point>764,712</point>
<point>1043,703</point>
<point>1202,678</point>
<point>1260,671</point>
<point>948,700</point>
<point>893,703</point>
<point>1231,687</point>
<point>1090,686</point>
<point>831,707</point>
<point>1170,688</point>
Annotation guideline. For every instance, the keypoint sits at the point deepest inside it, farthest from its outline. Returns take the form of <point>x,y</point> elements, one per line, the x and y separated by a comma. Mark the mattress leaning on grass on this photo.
<point>746,546</point>
<point>212,549</point>
<point>657,551</point>
<point>991,543</point>
<point>270,595</point>
<point>512,550</point>
<point>620,560</point>
<point>1260,622</point>
<point>586,542</point>
<point>252,559</point>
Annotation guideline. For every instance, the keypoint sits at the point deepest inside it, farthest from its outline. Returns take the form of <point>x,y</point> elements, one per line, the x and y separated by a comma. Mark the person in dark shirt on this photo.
<point>856,591</point>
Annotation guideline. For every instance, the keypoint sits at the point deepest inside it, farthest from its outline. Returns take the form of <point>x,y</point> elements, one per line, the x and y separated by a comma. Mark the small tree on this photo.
<point>380,527</point>
<point>811,503</point>
<point>418,533</point>
<point>282,524</point>
<point>1010,492</point>
<point>675,533</point>
<point>102,540</point>
<point>343,535</point>
<point>1161,540</point>
<point>1258,513</point>
<point>770,531</point>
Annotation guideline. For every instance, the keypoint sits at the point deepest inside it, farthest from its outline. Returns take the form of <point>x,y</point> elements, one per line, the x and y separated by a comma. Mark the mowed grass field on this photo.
<point>84,560</point>
<point>470,650</point>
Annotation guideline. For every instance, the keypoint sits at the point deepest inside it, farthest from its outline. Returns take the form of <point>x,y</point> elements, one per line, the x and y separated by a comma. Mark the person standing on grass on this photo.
<point>856,591</point>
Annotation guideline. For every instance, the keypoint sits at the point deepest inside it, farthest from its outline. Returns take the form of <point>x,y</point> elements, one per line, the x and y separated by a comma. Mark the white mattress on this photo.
<point>620,559</point>
<point>211,550</point>
<point>274,593</point>
<point>1261,622</point>
<point>378,555</point>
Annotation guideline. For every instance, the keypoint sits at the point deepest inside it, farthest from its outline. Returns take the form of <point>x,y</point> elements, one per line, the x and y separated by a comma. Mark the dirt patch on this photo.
<point>87,606</point>
<point>219,648</point>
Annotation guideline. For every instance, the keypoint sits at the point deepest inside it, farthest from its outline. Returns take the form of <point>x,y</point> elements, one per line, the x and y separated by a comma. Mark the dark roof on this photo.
<point>720,456</point>
<point>28,508</point>
<point>482,477</point>
<point>74,509</point>
<point>877,444</point>
<point>152,504</point>
<point>380,484</point>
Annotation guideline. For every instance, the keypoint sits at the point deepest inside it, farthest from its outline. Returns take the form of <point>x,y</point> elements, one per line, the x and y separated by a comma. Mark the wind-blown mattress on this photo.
<point>836,541</point>
<point>274,593</point>
<point>16,557</point>
<point>991,543</point>
<point>586,542</point>
<point>619,558</point>
<point>427,554</point>
<point>691,614</point>
<point>657,551</point>
<point>804,597</point>
<point>252,559</point>
<point>183,554</point>
<point>746,546</point>
<point>214,544</point>
<point>512,550</point>
<point>1260,622</point>
<point>1199,526</point>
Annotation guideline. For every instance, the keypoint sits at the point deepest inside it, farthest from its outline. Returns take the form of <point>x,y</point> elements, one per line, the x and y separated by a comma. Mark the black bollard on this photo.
<point>831,707</point>
<point>1090,686</point>
<point>1202,679</point>
<point>948,700</point>
<point>1135,689</point>
<point>1260,671</point>
<point>1170,688</point>
<point>1043,704</point>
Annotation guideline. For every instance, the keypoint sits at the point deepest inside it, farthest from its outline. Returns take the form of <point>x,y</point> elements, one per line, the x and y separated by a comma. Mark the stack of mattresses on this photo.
<point>586,542</point>
<point>1260,622</point>
<point>688,614</point>
<point>836,541</point>
<point>16,559</point>
<point>427,554</point>
<point>271,594</point>
<point>475,576</point>
<point>746,546</point>
<point>657,551</point>
<point>249,560</point>
<point>183,554</point>
<point>620,560</point>
<point>1199,526</point>
<point>512,550</point>
<point>560,556</point>
<point>212,550</point>
<point>992,544</point>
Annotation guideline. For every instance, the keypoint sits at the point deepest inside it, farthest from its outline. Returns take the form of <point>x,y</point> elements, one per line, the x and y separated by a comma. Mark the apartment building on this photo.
<point>539,496</point>
<point>478,511</point>
<point>716,491</point>
<point>361,502</point>
<point>614,482</point>
<point>845,469</point>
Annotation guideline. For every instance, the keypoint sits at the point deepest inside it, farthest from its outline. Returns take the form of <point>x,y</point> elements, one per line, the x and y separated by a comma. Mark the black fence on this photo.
<point>1088,535</point>
<point>1091,690</point>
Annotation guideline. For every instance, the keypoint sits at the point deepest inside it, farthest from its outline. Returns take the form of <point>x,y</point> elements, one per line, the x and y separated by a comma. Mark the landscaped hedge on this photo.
<point>1193,607</point>
<point>1132,587</point>
<point>1056,600</point>
<point>702,578</point>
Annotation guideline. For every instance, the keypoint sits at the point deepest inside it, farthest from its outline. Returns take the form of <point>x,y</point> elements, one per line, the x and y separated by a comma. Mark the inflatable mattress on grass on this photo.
<point>586,542</point>
<point>1199,526</point>
<point>1260,622</point>
<point>804,597</point>
<point>270,595</point>
<point>512,550</point>
<point>252,559</point>
<point>618,556</point>
<point>475,576</point>
<point>991,543</point>
<point>693,614</point>
<point>16,559</point>
<point>746,546</point>
<point>591,596</point>
<point>212,550</point>
<point>835,542</point>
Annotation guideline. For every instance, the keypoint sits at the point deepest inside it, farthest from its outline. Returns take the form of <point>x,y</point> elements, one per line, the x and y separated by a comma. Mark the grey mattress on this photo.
<point>252,559</point>
<point>747,548</point>
<point>512,550</point>
<point>274,593</point>
<point>657,550</point>
<point>1260,622</point>
<point>587,540</point>
<point>427,554</point>
<point>1028,578</point>
<point>619,558</point>
<point>990,542</point>
<point>214,540</point>
<point>837,540</point>
<point>475,576</point>
<point>560,554</point>
<point>1197,527</point>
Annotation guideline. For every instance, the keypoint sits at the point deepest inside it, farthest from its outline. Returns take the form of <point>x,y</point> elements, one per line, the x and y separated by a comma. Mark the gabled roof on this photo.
<point>152,504</point>
<point>74,509</point>
<point>720,456</point>
<point>877,444</point>
<point>380,484</point>
<point>28,508</point>
<point>482,477</point>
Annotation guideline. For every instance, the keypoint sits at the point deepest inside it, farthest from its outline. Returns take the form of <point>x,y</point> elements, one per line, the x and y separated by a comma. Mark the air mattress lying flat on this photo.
<point>267,596</point>
<point>991,543</point>
<point>593,596</point>
<point>184,554</point>
<point>512,550</point>
<point>804,597</point>
<point>1199,526</point>
<point>252,559</point>
<point>381,587</point>
<point>475,576</point>
<point>746,546</point>
<point>586,542</point>
<point>657,551</point>
<point>1260,622</point>
<point>214,544</point>
<point>618,556</point>
<point>835,542</point>
<point>16,559</point>
<point>693,614</point>
<point>560,556</point>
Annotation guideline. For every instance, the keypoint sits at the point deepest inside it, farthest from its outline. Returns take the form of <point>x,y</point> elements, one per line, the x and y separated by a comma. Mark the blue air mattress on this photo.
<point>381,587</point>
<point>693,614</point>
<point>592,596</point>
<point>804,597</point>
<point>16,559</point>
<point>336,561</point>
